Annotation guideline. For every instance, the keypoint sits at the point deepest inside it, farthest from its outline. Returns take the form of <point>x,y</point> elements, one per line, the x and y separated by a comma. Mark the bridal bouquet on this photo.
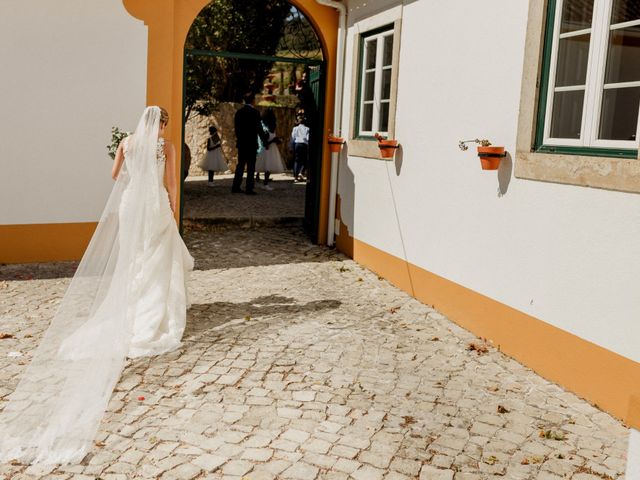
<point>116,137</point>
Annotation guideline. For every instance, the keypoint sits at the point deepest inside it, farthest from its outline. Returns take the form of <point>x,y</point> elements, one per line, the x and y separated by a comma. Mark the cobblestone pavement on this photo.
<point>299,364</point>
<point>286,200</point>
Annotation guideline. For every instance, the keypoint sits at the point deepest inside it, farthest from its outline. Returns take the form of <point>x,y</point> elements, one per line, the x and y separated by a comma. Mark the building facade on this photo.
<point>541,257</point>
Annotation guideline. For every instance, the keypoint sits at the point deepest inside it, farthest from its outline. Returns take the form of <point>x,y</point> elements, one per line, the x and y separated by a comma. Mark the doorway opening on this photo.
<point>272,50</point>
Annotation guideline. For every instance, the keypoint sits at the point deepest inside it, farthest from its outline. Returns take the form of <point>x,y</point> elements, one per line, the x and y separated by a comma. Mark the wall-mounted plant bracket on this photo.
<point>490,155</point>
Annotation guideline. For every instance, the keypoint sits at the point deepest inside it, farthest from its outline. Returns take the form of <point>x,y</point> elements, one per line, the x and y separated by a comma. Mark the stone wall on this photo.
<point>197,132</point>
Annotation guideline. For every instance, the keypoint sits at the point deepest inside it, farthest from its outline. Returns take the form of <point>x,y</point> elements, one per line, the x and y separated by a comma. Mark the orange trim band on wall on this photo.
<point>607,379</point>
<point>48,242</point>
<point>633,414</point>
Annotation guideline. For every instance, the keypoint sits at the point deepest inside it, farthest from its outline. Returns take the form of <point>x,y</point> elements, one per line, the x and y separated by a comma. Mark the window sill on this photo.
<point>588,151</point>
<point>619,174</point>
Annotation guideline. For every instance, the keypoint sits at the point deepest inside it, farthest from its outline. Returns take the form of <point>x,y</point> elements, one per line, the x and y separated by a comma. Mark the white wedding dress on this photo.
<point>158,312</point>
<point>127,299</point>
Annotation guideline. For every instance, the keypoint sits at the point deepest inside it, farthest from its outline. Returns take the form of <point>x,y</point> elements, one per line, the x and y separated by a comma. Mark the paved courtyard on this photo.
<point>285,203</point>
<point>299,364</point>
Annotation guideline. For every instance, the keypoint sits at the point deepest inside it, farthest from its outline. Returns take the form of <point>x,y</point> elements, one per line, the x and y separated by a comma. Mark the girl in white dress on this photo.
<point>127,299</point>
<point>214,160</point>
<point>269,159</point>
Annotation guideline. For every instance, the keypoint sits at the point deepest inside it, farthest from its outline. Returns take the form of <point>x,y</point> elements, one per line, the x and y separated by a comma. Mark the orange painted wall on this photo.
<point>44,242</point>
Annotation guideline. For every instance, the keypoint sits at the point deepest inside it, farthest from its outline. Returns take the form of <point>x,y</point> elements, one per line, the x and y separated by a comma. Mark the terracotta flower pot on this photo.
<point>335,144</point>
<point>387,148</point>
<point>490,157</point>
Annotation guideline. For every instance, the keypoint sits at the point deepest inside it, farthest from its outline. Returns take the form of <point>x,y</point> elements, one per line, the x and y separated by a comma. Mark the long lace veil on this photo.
<point>54,413</point>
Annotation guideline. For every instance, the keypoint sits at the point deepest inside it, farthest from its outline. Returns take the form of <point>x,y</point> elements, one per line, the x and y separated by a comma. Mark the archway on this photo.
<point>168,23</point>
<point>271,50</point>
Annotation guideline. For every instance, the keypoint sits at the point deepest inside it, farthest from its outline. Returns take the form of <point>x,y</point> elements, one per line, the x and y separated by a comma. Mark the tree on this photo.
<point>239,26</point>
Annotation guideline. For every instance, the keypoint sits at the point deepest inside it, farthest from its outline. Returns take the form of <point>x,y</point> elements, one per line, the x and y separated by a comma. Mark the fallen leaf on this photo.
<point>435,339</point>
<point>407,420</point>
<point>525,461</point>
<point>491,460</point>
<point>479,348</point>
<point>552,435</point>
<point>501,409</point>
<point>247,317</point>
<point>99,444</point>
<point>5,335</point>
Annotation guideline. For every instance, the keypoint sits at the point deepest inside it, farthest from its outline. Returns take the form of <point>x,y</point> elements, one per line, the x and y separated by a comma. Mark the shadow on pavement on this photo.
<point>210,318</point>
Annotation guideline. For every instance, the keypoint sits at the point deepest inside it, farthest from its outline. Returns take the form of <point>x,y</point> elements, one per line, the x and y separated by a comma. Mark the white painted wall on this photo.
<point>71,69</point>
<point>567,255</point>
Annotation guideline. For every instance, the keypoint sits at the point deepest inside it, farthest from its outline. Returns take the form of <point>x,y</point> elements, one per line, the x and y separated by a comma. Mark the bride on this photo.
<point>127,299</point>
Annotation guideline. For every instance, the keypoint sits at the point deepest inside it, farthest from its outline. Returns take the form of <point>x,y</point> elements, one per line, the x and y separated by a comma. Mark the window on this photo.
<point>590,85</point>
<point>374,82</point>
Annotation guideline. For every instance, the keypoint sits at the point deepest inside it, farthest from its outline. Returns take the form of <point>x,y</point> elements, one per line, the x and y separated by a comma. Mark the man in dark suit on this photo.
<point>248,128</point>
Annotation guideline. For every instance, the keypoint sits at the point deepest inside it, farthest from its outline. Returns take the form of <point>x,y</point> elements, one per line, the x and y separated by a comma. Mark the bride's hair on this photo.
<point>164,117</point>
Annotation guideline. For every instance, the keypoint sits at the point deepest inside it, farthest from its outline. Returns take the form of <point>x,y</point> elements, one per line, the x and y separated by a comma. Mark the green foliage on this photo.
<point>117,136</point>
<point>247,26</point>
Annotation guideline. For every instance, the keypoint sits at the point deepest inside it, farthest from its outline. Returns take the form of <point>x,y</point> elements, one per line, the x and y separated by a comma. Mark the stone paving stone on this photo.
<point>432,473</point>
<point>209,462</point>
<point>301,471</point>
<point>298,363</point>
<point>236,467</point>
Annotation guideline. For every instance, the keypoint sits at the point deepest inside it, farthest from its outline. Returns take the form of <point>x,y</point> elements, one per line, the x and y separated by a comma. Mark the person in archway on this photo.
<point>300,144</point>
<point>248,127</point>
<point>214,160</point>
<point>186,161</point>
<point>269,159</point>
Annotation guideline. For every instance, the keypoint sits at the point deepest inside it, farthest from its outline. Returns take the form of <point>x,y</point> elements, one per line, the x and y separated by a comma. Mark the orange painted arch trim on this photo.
<point>608,380</point>
<point>44,242</point>
<point>169,22</point>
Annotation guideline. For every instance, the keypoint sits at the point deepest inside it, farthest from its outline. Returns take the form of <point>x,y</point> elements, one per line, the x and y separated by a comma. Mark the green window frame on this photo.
<point>539,144</point>
<point>376,102</point>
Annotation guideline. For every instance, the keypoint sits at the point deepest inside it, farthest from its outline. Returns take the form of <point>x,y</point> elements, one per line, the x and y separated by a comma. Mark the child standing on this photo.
<point>269,159</point>
<point>214,160</point>
<point>300,143</point>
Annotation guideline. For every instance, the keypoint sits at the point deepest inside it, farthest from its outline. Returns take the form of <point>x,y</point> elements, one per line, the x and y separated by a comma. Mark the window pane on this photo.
<point>625,11</point>
<point>623,62</point>
<point>384,117</point>
<point>576,15</point>
<point>573,56</point>
<point>619,118</point>
<point>369,83</point>
<point>566,117</point>
<point>386,84</point>
<point>372,47</point>
<point>388,50</point>
<point>367,117</point>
